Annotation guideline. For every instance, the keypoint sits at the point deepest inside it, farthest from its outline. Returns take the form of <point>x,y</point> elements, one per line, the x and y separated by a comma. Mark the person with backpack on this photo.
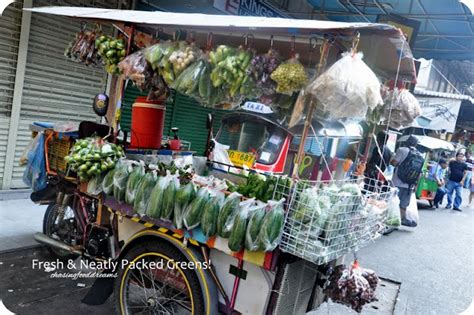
<point>408,164</point>
<point>457,175</point>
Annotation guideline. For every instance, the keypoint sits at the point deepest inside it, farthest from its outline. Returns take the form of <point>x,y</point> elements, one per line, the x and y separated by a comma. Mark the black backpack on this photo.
<point>410,169</point>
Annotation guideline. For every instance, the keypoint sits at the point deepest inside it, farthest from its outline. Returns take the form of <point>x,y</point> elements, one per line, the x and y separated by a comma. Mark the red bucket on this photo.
<point>148,119</point>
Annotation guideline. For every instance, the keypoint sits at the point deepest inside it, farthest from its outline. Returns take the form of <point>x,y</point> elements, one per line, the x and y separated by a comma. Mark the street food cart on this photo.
<point>281,234</point>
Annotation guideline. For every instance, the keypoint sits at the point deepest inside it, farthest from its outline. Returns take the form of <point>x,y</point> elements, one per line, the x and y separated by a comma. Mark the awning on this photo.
<point>446,29</point>
<point>382,44</point>
<point>431,143</point>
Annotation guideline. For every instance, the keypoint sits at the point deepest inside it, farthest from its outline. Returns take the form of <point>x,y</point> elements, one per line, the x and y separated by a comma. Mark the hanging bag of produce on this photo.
<point>169,197</point>
<point>133,182</point>
<point>239,225</point>
<point>183,57</point>
<point>401,107</point>
<point>142,197</point>
<point>347,89</point>
<point>272,226</point>
<point>254,226</point>
<point>184,196</point>
<point>290,76</point>
<point>211,212</point>
<point>261,67</point>
<point>193,212</point>
<point>227,214</point>
<point>94,187</point>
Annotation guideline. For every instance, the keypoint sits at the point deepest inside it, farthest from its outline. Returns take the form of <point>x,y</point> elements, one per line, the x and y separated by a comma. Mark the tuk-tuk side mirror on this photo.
<point>209,122</point>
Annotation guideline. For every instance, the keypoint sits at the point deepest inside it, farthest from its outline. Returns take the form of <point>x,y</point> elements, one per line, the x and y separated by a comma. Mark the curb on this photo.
<point>15,194</point>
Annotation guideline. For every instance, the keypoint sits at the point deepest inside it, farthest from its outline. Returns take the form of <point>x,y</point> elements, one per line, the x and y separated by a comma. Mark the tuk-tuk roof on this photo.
<point>334,129</point>
<point>431,143</point>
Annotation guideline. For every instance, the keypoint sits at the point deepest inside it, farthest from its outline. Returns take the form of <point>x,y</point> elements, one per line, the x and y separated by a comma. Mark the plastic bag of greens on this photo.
<point>290,76</point>
<point>108,183</point>
<point>402,107</point>
<point>154,54</point>
<point>393,218</point>
<point>169,196</point>
<point>133,182</point>
<point>143,193</point>
<point>272,226</point>
<point>239,225</point>
<point>227,214</point>
<point>155,205</point>
<point>120,181</point>
<point>348,83</point>
<point>254,226</point>
<point>211,212</point>
<point>188,82</point>
<point>193,212</point>
<point>94,187</point>
<point>184,196</point>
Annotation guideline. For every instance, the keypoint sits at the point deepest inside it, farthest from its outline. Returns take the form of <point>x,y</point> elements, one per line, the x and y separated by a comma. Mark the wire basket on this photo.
<point>327,219</point>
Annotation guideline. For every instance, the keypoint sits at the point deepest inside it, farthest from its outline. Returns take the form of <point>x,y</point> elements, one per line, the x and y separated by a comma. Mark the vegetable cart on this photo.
<point>237,236</point>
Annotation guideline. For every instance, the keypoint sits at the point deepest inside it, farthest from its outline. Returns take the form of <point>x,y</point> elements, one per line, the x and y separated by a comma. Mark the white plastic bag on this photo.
<point>401,107</point>
<point>394,218</point>
<point>347,89</point>
<point>220,155</point>
<point>412,210</point>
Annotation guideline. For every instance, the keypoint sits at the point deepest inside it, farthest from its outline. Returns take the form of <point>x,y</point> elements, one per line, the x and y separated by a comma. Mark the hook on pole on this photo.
<point>209,41</point>
<point>355,43</point>
<point>271,41</point>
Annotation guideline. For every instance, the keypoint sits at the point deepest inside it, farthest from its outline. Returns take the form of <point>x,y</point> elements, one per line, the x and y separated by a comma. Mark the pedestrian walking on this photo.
<point>409,163</point>
<point>457,176</point>
<point>378,162</point>
<point>470,167</point>
<point>439,175</point>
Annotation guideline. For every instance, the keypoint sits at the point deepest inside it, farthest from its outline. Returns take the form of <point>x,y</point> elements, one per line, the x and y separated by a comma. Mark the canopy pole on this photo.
<point>309,117</point>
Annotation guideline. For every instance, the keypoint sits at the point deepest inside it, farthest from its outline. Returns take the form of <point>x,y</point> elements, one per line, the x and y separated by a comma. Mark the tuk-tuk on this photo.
<point>433,149</point>
<point>259,141</point>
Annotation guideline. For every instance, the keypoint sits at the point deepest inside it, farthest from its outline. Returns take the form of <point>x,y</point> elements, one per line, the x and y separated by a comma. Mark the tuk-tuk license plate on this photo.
<point>239,158</point>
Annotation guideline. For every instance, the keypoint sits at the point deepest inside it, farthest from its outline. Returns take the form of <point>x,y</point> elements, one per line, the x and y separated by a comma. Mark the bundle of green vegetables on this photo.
<point>263,187</point>
<point>92,156</point>
<point>112,51</point>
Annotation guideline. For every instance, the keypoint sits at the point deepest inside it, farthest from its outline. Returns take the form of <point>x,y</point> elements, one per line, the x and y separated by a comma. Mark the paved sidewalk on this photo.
<point>19,221</point>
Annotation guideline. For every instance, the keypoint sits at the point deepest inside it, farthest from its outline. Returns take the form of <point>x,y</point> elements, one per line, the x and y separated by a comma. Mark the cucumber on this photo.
<point>120,183</point>
<point>153,209</point>
<point>253,229</point>
<point>271,230</point>
<point>237,234</point>
<point>209,218</point>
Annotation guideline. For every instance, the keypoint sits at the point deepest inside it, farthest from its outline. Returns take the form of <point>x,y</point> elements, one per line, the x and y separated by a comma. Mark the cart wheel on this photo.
<point>151,283</point>
<point>60,225</point>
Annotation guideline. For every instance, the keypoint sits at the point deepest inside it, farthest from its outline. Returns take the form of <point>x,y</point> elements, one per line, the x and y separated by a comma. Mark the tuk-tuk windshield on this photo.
<point>262,140</point>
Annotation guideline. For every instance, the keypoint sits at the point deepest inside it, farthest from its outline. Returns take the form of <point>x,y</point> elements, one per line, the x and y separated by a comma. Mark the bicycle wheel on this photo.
<point>152,283</point>
<point>60,224</point>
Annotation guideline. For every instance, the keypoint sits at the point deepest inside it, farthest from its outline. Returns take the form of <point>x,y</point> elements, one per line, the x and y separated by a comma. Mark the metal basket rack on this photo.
<point>328,219</point>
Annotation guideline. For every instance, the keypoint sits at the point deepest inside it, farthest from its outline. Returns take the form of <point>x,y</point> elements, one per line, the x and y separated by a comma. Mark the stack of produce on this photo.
<point>92,156</point>
<point>290,76</point>
<point>263,187</point>
<point>83,49</point>
<point>352,286</point>
<point>112,50</point>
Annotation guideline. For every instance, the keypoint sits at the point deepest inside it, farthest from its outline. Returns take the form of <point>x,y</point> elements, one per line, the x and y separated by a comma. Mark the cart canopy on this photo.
<point>431,143</point>
<point>384,46</point>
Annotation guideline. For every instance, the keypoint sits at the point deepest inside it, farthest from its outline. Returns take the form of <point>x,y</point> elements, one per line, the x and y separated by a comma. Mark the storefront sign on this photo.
<point>437,113</point>
<point>227,6</point>
<point>258,8</point>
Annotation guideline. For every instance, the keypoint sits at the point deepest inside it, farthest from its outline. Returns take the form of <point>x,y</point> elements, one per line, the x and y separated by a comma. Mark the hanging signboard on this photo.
<point>259,8</point>
<point>437,113</point>
<point>227,6</point>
